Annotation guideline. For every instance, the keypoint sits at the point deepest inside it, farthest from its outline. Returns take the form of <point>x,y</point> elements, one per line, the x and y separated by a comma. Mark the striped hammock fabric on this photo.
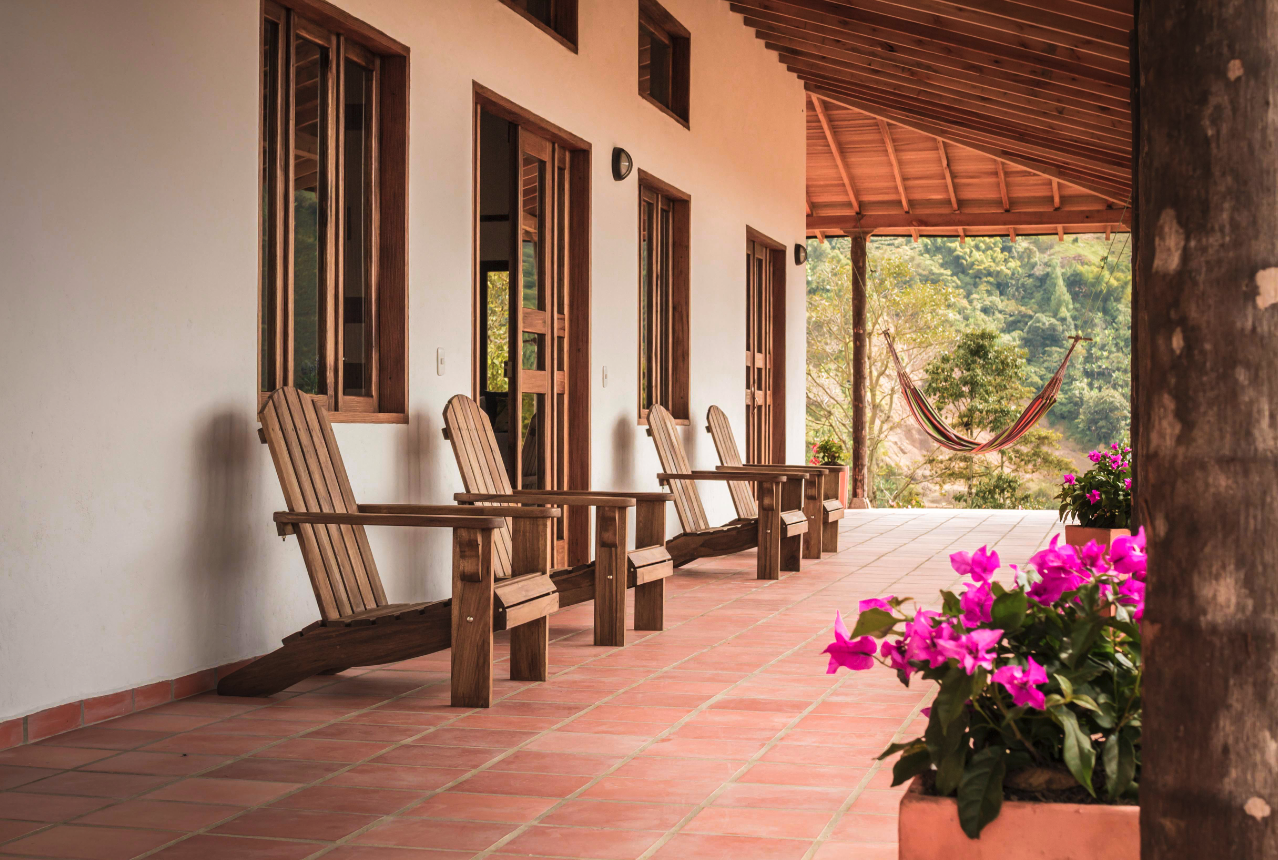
<point>934,425</point>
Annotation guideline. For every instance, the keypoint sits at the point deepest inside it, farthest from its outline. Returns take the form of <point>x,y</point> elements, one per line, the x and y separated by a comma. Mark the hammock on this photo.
<point>934,425</point>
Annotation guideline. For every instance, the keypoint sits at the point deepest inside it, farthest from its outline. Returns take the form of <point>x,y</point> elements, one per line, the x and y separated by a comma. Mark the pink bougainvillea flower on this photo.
<point>1070,480</point>
<point>894,653</point>
<point>877,603</point>
<point>1127,483</point>
<point>979,565</point>
<point>1095,456</point>
<point>976,603</point>
<point>1092,557</point>
<point>1059,570</point>
<point>972,650</point>
<point>1094,496</point>
<point>1023,684</point>
<point>927,712</point>
<point>854,654</point>
<point>923,634</point>
<point>1131,593</point>
<point>1113,445</point>
<point>1127,554</point>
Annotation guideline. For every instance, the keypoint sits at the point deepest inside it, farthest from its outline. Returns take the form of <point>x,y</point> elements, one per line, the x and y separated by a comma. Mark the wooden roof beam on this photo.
<point>949,177</point>
<point>1044,21</point>
<point>1110,189</point>
<point>1056,194</point>
<point>897,23</point>
<point>896,165</point>
<point>1002,185</point>
<point>834,150</point>
<point>1097,219</point>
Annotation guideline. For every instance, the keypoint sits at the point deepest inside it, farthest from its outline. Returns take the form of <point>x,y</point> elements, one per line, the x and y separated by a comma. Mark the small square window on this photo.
<point>665,50</point>
<point>558,18</point>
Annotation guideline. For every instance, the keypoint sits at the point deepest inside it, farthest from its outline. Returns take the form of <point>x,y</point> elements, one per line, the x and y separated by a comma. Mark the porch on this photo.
<point>718,737</point>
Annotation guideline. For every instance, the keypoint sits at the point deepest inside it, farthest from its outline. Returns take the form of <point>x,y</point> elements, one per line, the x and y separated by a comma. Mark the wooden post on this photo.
<point>792,499</point>
<point>472,610</point>
<point>813,495</point>
<point>532,551</point>
<point>769,526</point>
<point>650,597</point>
<point>610,575</point>
<point>860,367</point>
<point>1138,316</point>
<point>1208,276</point>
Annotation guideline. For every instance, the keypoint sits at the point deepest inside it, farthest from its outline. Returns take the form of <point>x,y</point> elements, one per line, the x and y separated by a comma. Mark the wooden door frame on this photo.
<point>579,290</point>
<point>777,259</point>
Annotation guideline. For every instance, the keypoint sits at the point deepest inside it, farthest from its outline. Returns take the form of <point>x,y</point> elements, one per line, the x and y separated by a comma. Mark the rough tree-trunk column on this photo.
<point>858,488</point>
<point>1208,276</point>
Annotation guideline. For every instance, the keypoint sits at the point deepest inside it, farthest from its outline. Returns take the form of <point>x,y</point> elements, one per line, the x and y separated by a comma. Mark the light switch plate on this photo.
<point>605,376</point>
<point>439,361</point>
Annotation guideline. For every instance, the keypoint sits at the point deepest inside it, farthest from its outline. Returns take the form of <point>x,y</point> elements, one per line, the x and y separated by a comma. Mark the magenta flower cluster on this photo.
<point>1102,496</point>
<point>930,639</point>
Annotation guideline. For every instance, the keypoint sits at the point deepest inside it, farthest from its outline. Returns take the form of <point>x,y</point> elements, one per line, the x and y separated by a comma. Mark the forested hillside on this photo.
<point>1005,308</point>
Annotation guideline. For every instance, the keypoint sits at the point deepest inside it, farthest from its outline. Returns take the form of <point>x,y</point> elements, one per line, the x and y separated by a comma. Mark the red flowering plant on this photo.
<point>1036,680</point>
<point>1101,497</point>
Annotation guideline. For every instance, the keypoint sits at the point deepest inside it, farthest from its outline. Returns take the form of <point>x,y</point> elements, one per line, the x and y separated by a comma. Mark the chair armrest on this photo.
<point>505,511</point>
<point>798,471</point>
<point>614,494</point>
<point>538,498</point>
<point>721,476</point>
<point>288,518</point>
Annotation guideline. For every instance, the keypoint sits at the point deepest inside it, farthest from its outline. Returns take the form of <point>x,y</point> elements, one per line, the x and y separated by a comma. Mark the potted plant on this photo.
<point>830,452</point>
<point>1032,747</point>
<point>1099,500</point>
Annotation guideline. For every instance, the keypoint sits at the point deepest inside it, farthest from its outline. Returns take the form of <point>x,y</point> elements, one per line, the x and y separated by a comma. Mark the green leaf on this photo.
<point>1079,755</point>
<point>950,770</point>
<point>1125,766</point>
<point>980,792</point>
<point>893,749</point>
<point>956,689</point>
<point>874,622</point>
<point>1067,689</point>
<point>1082,637</point>
<point>1086,702</point>
<point>951,603</point>
<point>911,765</point>
<point>1008,612</point>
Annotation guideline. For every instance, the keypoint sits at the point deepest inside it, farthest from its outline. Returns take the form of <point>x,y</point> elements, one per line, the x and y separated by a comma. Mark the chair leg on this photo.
<point>530,650</point>
<point>472,656</point>
<point>792,492</point>
<point>813,493</point>
<point>769,563</point>
<point>650,605</point>
<point>830,530</point>
<point>610,576</point>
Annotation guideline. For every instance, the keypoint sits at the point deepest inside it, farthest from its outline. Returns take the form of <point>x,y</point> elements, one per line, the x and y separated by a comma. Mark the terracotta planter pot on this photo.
<point>1079,536</point>
<point>929,830</point>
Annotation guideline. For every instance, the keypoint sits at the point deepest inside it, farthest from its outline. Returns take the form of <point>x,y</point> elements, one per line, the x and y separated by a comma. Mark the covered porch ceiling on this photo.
<point>977,117</point>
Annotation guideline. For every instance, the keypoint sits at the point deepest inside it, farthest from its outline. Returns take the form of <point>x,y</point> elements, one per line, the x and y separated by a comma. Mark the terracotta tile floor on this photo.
<point>720,737</point>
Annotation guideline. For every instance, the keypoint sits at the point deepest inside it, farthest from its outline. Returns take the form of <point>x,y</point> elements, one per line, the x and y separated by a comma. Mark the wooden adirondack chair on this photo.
<point>821,502</point>
<point>776,528</point>
<point>603,580</point>
<point>357,626</point>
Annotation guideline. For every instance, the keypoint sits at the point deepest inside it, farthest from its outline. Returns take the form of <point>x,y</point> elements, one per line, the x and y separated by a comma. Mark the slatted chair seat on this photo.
<point>358,626</point>
<point>774,520</point>
<point>821,505</point>
<point>603,580</point>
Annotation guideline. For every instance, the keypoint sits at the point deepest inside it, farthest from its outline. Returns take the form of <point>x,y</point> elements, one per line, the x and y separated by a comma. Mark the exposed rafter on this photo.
<point>1002,185</point>
<point>949,177</point>
<point>896,165</point>
<point>1097,219</point>
<point>834,150</point>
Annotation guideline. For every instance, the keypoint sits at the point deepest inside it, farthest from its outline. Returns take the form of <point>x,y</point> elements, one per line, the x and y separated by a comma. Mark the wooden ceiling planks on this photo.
<point>935,104</point>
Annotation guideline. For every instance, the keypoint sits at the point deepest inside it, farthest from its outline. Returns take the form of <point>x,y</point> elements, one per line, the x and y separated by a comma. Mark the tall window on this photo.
<point>334,131</point>
<point>665,52</point>
<point>558,18</point>
<point>663,297</point>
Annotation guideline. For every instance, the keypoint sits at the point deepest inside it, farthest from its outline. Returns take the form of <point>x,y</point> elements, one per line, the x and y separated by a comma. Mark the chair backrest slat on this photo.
<point>730,455</point>
<point>665,434</point>
<point>481,466</point>
<point>313,478</point>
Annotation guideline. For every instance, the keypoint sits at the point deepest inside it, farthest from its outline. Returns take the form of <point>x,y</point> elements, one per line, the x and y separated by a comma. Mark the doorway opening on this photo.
<point>765,349</point>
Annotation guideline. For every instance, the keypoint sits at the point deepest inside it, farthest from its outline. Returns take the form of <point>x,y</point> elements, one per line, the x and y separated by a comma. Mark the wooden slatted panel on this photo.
<point>692,516</point>
<point>479,461</point>
<point>730,455</point>
<point>313,478</point>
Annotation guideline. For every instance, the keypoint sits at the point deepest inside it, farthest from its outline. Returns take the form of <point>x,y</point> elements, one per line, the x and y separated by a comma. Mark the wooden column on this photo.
<point>1138,316</point>
<point>860,368</point>
<point>1208,276</point>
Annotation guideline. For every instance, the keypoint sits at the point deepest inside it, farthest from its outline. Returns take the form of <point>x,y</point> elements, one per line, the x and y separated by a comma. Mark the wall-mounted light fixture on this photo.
<point>800,254</point>
<point>622,163</point>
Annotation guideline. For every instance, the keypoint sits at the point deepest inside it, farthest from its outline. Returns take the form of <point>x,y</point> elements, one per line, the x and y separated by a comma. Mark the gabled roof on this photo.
<point>986,115</point>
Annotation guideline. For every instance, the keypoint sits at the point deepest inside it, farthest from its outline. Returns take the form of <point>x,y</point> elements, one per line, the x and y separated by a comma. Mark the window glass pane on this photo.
<point>531,194</point>
<point>664,363</point>
<point>542,10</point>
<point>309,157</point>
<point>533,414</point>
<point>357,299</point>
<point>270,216</point>
<point>654,64</point>
<point>498,328</point>
<point>645,306</point>
<point>532,359</point>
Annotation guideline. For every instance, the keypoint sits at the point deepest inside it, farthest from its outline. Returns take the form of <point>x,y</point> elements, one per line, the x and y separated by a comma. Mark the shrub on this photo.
<point>829,452</point>
<point>1033,679</point>
<point>1102,496</point>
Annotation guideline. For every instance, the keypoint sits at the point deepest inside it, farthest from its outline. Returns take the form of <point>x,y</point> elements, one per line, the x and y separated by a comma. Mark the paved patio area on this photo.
<point>720,737</point>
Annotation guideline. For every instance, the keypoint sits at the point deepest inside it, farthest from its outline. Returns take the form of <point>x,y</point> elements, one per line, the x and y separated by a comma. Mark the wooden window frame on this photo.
<point>677,375</point>
<point>654,18</point>
<point>387,222</point>
<point>563,16</point>
<point>778,264</point>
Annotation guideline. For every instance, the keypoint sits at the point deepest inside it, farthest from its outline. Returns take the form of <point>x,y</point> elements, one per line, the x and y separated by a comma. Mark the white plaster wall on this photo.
<point>135,535</point>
